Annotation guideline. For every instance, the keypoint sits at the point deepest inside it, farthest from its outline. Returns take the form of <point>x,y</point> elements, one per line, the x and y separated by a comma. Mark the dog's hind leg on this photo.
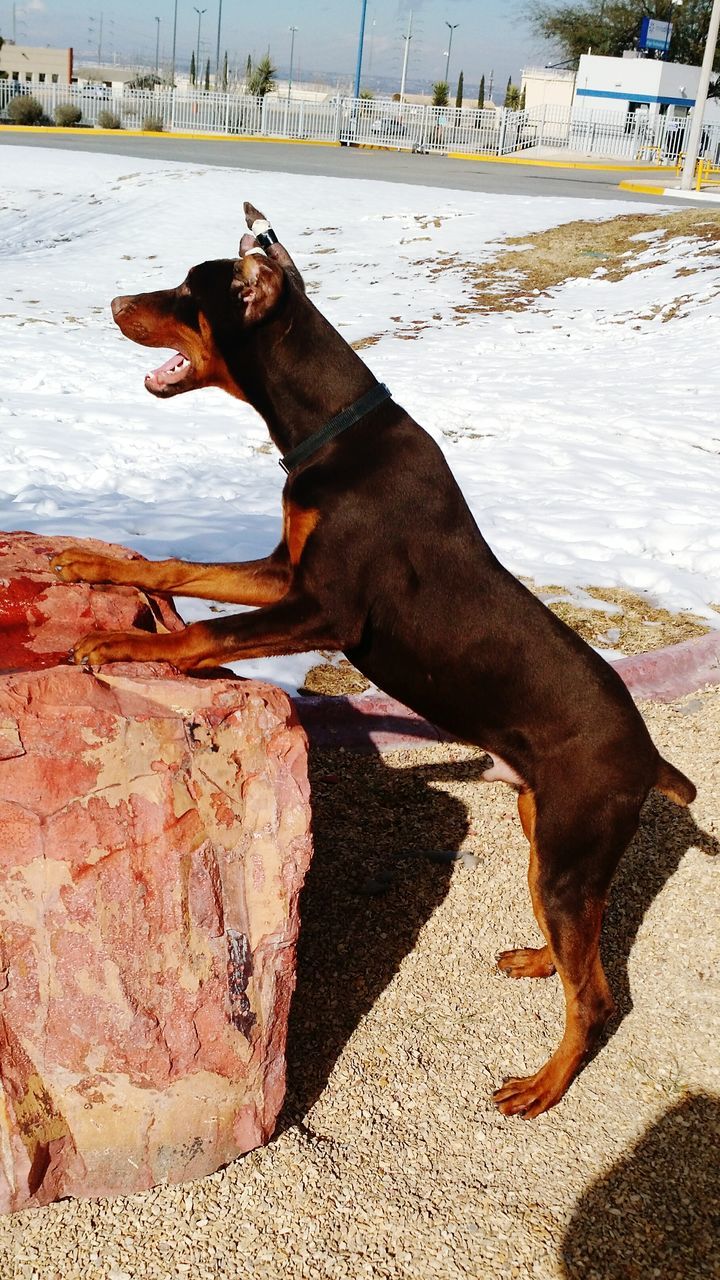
<point>527,962</point>
<point>569,893</point>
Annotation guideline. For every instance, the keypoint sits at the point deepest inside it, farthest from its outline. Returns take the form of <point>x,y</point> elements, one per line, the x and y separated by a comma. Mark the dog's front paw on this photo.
<point>100,647</point>
<point>74,565</point>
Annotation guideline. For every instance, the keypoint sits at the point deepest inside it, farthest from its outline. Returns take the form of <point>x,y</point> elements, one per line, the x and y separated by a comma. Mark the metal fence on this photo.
<point>578,131</point>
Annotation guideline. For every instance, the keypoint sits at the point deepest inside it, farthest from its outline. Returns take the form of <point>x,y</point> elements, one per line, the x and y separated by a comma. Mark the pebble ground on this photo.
<point>390,1160</point>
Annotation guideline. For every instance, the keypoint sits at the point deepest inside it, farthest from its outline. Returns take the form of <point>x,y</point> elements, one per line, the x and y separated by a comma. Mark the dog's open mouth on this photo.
<point>169,374</point>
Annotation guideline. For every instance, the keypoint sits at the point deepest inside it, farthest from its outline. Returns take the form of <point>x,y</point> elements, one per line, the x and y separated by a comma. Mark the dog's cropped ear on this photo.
<point>259,284</point>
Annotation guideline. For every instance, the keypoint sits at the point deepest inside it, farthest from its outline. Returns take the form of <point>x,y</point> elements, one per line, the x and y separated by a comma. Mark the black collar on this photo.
<point>339,423</point>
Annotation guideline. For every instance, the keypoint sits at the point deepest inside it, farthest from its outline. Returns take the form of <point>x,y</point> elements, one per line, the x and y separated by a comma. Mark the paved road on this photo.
<point>349,162</point>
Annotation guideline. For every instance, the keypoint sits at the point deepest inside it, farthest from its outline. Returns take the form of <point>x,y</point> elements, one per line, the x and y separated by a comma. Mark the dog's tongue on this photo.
<point>171,371</point>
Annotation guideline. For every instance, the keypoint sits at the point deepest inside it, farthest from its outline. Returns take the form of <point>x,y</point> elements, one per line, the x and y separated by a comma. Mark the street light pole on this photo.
<point>199,13</point>
<point>157,46</point>
<point>172,70</point>
<point>407,40</point>
<point>693,146</point>
<point>217,47</point>
<point>292,55</point>
<point>358,69</point>
<point>453,27</point>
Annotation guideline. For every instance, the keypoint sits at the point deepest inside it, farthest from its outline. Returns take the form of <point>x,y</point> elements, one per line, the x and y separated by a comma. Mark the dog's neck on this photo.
<point>301,373</point>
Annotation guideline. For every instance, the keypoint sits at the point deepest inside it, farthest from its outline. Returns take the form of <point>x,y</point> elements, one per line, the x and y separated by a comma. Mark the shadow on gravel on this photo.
<point>372,886</point>
<point>656,1213</point>
<point>666,833</point>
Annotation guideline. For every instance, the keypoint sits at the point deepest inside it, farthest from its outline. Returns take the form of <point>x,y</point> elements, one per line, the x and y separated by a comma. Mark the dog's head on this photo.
<point>206,319</point>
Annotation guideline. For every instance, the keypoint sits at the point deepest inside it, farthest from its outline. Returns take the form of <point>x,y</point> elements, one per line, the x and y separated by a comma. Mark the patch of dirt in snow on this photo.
<point>528,267</point>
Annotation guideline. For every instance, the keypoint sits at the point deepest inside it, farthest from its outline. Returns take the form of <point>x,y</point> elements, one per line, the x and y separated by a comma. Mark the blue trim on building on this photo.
<point>634,97</point>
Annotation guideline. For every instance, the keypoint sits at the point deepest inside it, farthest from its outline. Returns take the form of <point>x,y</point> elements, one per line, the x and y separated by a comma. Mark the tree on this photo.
<point>611,27</point>
<point>521,103</point>
<point>207,76</point>
<point>440,93</point>
<point>481,93</point>
<point>367,93</point>
<point>512,96</point>
<point>193,74</point>
<point>459,94</point>
<point>225,72</point>
<point>262,78</point>
<point>248,70</point>
<point>148,81</point>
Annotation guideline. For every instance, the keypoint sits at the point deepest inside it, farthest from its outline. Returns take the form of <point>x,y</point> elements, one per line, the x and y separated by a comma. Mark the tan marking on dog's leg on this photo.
<point>527,962</point>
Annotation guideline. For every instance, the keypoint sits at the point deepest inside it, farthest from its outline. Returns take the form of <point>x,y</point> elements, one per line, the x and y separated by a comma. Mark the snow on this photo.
<point>584,431</point>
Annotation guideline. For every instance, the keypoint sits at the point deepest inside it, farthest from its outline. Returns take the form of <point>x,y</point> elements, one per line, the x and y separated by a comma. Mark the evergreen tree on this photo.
<point>192,67</point>
<point>507,92</point>
<point>248,70</point>
<point>225,73</point>
<point>481,93</point>
<point>459,94</point>
<point>207,76</point>
<point>521,103</point>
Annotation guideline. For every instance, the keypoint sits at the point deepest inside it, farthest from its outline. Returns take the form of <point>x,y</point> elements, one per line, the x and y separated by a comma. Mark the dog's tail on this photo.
<point>674,784</point>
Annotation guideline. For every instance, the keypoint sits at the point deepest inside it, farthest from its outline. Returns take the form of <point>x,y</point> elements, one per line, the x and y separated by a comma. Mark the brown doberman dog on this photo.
<point>381,558</point>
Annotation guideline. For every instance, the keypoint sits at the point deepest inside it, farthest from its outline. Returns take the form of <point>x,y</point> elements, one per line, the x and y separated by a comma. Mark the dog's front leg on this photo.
<point>253,582</point>
<point>293,625</point>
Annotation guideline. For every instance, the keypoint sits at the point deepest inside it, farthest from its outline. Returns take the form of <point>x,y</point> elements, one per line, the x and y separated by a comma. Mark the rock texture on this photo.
<point>41,618</point>
<point>154,837</point>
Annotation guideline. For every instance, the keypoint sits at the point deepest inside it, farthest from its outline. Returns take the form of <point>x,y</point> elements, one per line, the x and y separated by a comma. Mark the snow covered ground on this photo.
<point>585,437</point>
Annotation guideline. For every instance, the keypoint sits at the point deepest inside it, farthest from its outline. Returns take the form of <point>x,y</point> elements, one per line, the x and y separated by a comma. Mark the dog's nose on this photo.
<point>118,305</point>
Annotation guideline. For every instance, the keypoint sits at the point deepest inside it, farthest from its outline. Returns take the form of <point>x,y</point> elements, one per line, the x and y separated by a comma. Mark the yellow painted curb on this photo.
<point>147,133</point>
<point>643,187</point>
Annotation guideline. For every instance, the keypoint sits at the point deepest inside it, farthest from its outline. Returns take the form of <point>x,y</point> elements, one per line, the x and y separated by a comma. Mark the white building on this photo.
<point>546,86</point>
<point>628,84</point>
<point>638,84</point>
<point>31,65</point>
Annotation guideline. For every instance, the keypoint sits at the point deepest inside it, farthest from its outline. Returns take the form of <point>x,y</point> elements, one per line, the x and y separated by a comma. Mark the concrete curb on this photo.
<point>674,193</point>
<point>374,722</point>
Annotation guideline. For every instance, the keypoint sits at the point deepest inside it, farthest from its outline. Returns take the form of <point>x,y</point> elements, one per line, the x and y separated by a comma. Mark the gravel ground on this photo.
<point>391,1160</point>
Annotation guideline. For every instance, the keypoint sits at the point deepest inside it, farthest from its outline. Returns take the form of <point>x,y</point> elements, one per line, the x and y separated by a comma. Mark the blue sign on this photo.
<point>655,34</point>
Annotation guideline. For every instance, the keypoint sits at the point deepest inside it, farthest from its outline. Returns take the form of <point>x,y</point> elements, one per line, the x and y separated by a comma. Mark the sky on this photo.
<point>491,35</point>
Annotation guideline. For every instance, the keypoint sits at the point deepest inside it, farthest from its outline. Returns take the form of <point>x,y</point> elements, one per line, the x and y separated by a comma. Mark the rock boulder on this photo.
<point>154,838</point>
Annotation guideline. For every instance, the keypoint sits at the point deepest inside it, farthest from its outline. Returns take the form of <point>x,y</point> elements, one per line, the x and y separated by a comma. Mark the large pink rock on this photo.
<point>41,618</point>
<point>154,837</point>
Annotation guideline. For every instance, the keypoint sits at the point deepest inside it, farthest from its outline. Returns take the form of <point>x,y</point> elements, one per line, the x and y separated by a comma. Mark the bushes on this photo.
<point>67,116</point>
<point>153,124</point>
<point>24,109</point>
<point>108,120</point>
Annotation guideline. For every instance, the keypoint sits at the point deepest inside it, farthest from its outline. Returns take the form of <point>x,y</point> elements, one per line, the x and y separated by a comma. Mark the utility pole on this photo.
<point>358,69</point>
<point>407,40</point>
<point>157,46</point>
<point>453,26</point>
<point>172,69</point>
<point>217,47</point>
<point>199,13</point>
<point>100,42</point>
<point>698,111</point>
<point>292,55</point>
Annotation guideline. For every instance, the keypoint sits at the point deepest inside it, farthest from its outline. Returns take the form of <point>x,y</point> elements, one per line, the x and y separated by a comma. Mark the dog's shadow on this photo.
<point>665,835</point>
<point>384,839</point>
